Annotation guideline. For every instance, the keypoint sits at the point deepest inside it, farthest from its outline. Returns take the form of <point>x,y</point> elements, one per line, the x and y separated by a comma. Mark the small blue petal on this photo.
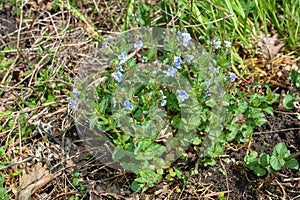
<point>76,92</point>
<point>207,95</point>
<point>189,58</point>
<point>171,71</point>
<point>128,105</point>
<point>227,44</point>
<point>120,68</point>
<point>123,57</point>
<point>212,68</point>
<point>217,43</point>
<point>73,104</point>
<point>232,77</point>
<point>138,44</point>
<point>186,38</point>
<point>117,76</point>
<point>177,61</point>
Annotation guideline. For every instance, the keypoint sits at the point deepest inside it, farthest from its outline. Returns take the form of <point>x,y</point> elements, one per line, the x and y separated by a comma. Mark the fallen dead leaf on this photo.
<point>269,46</point>
<point>32,182</point>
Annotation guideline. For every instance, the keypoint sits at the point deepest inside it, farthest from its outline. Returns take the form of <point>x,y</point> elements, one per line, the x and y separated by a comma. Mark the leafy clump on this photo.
<point>280,157</point>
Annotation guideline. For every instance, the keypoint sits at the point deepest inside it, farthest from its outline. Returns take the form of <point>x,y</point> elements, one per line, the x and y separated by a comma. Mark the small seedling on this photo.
<point>280,157</point>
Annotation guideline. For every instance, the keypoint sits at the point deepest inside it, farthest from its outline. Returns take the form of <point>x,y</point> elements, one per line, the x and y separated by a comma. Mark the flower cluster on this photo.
<point>138,44</point>
<point>73,104</point>
<point>76,94</point>
<point>171,71</point>
<point>227,44</point>
<point>117,76</point>
<point>217,43</point>
<point>123,57</point>
<point>186,38</point>
<point>182,95</point>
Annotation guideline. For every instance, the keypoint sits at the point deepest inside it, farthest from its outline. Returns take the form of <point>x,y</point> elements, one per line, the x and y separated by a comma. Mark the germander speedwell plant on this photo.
<point>147,98</point>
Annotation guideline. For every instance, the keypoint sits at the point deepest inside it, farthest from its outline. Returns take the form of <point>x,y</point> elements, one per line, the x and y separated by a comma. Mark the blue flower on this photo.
<point>217,43</point>
<point>227,44</point>
<point>73,104</point>
<point>189,58</point>
<point>232,77</point>
<point>207,95</point>
<point>177,61</point>
<point>117,76</point>
<point>182,95</point>
<point>138,44</point>
<point>128,105</point>
<point>212,68</point>
<point>76,92</point>
<point>171,71</point>
<point>186,38</point>
<point>123,57</point>
<point>120,68</point>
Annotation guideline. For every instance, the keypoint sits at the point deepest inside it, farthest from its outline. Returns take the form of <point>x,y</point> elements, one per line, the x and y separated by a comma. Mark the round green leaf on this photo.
<point>292,164</point>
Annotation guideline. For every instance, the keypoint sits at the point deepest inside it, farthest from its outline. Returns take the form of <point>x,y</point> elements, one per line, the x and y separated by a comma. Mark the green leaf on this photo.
<point>280,151</point>
<point>76,173</point>
<point>175,122</point>
<point>136,187</point>
<point>292,164</point>
<point>209,162</point>
<point>259,171</point>
<point>196,141</point>
<point>5,63</point>
<point>147,150</point>
<point>288,101</point>
<point>178,172</point>
<point>93,121</point>
<point>264,160</point>
<point>295,79</point>
<point>103,106</point>
<point>211,103</point>
<point>172,172</point>
<point>261,121</point>
<point>75,181</point>
<point>5,113</point>
<point>268,110</point>
<point>276,163</point>
<point>50,98</point>
<point>271,96</point>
